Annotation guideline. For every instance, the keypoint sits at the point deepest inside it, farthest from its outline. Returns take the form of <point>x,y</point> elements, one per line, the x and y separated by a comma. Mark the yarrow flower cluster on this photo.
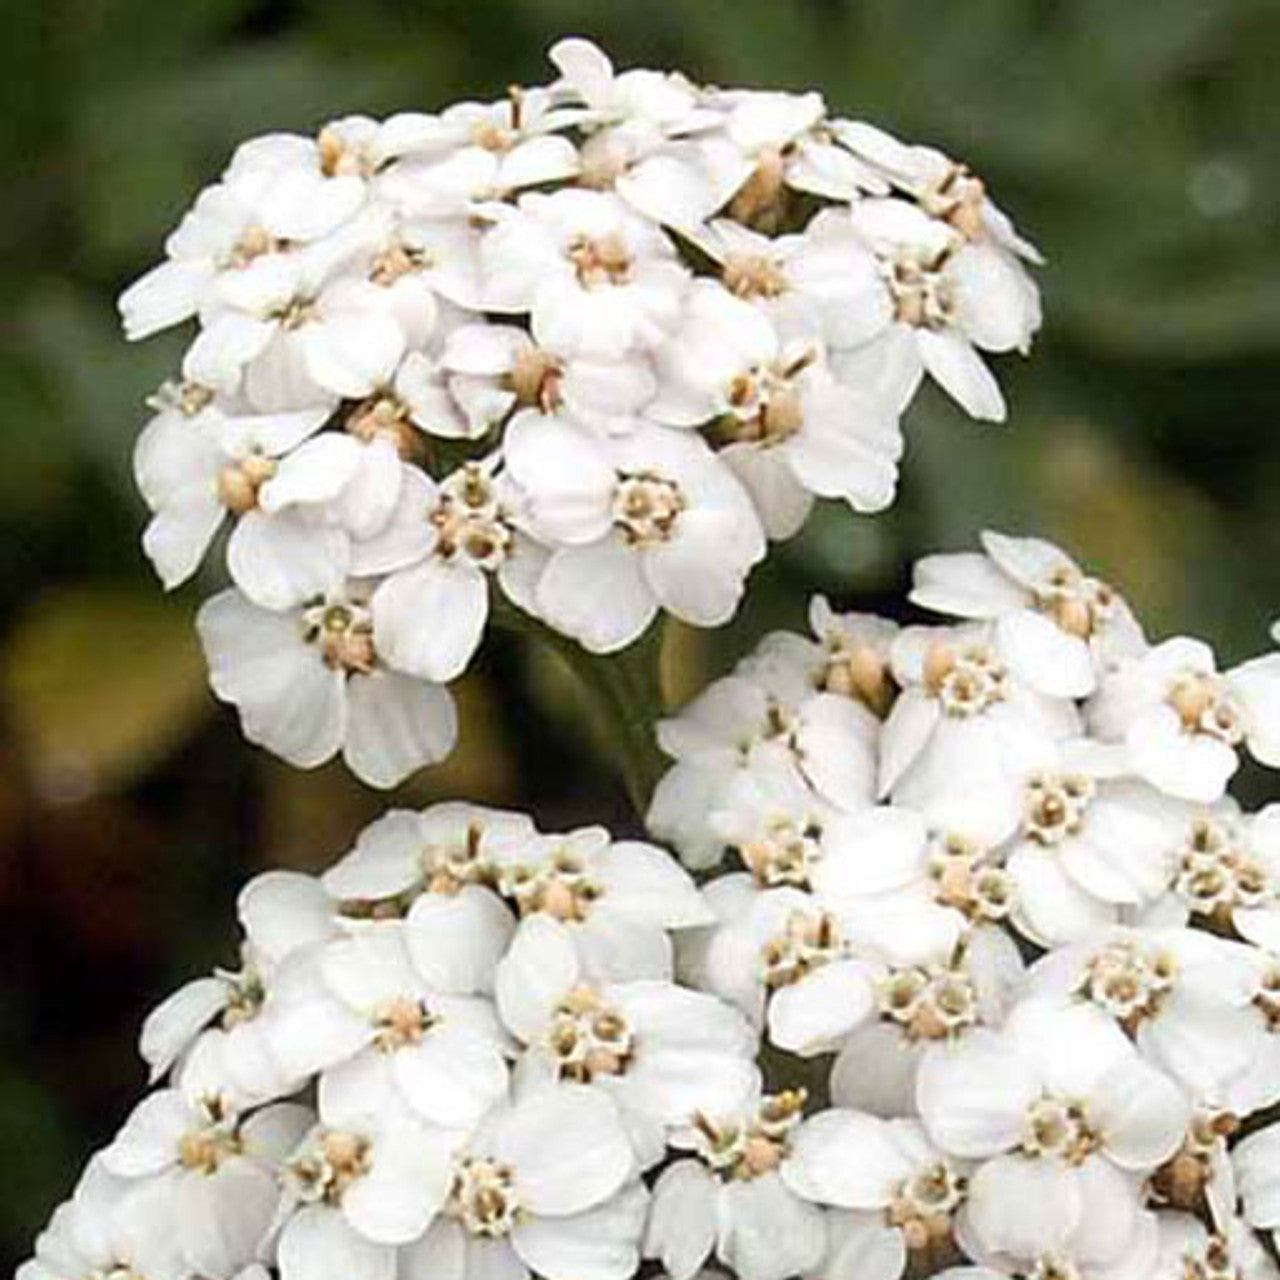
<point>597,343</point>
<point>989,988</point>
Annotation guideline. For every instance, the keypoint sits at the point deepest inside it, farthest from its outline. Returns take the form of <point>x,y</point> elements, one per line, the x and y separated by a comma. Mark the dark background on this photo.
<point>1136,143</point>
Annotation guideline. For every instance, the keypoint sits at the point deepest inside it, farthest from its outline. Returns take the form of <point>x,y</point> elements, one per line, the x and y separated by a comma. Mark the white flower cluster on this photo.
<point>994,910</point>
<point>598,341</point>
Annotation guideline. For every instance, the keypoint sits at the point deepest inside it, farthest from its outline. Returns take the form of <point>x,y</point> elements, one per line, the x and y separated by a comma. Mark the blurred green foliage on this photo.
<point>1135,143</point>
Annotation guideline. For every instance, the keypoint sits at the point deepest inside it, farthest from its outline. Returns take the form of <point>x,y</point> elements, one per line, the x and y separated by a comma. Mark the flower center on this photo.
<point>742,1150</point>
<point>254,242</point>
<point>1055,806</point>
<point>957,198</point>
<point>562,886</point>
<point>1055,1127</point>
<point>238,483</point>
<point>966,681</point>
<point>1053,1268</point>
<point>589,1038</point>
<point>808,941</point>
<point>245,998</point>
<point>469,520</point>
<point>447,867</point>
<point>401,1023</point>
<point>921,294</point>
<point>764,404</point>
<point>537,378</point>
<point>483,1197</point>
<point>922,1207</point>
<point>857,671</point>
<point>1217,873</point>
<point>1205,706</point>
<point>386,415</point>
<point>215,1139</point>
<point>1080,605</point>
<point>339,159</point>
<point>928,1002</point>
<point>344,633</point>
<point>964,881</point>
<point>599,261</point>
<point>753,276</point>
<point>398,260</point>
<point>1129,984</point>
<point>646,508</point>
<point>333,1161</point>
<point>784,854</point>
<point>1181,1180</point>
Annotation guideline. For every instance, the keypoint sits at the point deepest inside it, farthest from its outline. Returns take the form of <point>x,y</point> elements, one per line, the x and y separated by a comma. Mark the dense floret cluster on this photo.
<point>590,348</point>
<point>990,988</point>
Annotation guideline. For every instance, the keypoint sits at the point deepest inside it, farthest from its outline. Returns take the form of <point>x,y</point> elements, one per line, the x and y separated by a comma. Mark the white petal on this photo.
<point>597,594</point>
<point>847,1159</point>
<point>766,1233</point>
<point>961,373</point>
<point>395,725</point>
<point>812,1015</point>
<point>568,1147</point>
<point>682,1221</point>
<point>428,620</point>
<point>280,561</point>
<point>457,940</point>
<point>601,1244</point>
<point>540,968</point>
<point>317,1244</point>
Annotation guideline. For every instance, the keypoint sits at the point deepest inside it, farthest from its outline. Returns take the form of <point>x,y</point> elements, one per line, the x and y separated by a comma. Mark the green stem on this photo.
<point>623,691</point>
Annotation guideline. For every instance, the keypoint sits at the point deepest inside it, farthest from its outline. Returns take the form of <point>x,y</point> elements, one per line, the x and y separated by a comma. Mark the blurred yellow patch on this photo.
<point>98,685</point>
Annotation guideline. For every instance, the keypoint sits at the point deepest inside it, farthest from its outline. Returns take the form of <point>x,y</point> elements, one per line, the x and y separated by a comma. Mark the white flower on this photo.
<point>544,1186</point>
<point>484,151</point>
<point>199,460</point>
<point>787,962</point>
<point>110,1226</point>
<point>598,280</point>
<point>821,283</point>
<point>379,1035</point>
<point>275,196</point>
<point>280,912</point>
<point>746,718</point>
<point>292,328</point>
<point>1182,722</point>
<point>1088,847</point>
<point>944,188</point>
<point>307,684</point>
<point>780,143</point>
<point>649,138</point>
<point>1185,996</point>
<point>1227,866</point>
<point>222,1170</point>
<point>943,299</point>
<point>439,549</point>
<point>614,901</point>
<point>440,849</point>
<point>359,1190</point>
<point>919,1007</point>
<point>732,1198</point>
<point>661,1052</point>
<point>900,1192</point>
<point>791,429</point>
<point>639,522</point>
<point>1057,628</point>
<point>963,730</point>
<point>493,369</point>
